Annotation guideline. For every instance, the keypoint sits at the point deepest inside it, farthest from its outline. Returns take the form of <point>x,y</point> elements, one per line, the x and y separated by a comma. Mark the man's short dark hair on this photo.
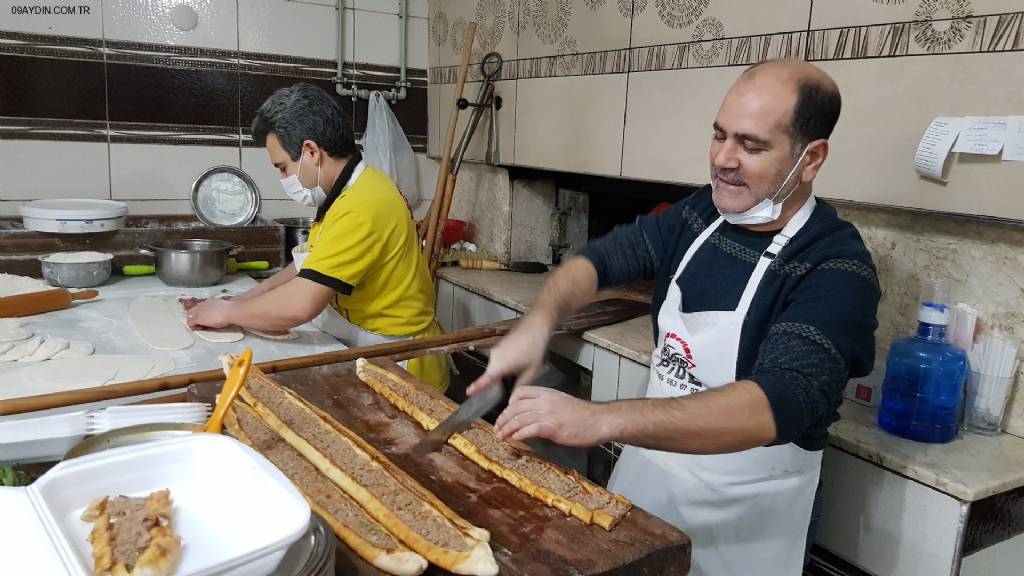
<point>304,112</point>
<point>815,113</point>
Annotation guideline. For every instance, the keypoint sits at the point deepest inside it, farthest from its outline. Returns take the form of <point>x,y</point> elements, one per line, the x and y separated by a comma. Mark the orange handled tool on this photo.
<point>234,382</point>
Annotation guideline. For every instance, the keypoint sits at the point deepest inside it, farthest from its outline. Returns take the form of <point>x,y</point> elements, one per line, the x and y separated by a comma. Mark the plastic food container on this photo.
<point>73,216</point>
<point>235,512</point>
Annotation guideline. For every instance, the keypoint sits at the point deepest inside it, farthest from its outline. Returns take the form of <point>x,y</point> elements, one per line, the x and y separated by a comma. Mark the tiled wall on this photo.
<point>629,87</point>
<point>119,103</point>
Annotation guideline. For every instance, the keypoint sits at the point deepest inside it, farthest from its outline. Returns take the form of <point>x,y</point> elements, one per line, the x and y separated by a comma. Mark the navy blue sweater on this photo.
<point>810,327</point>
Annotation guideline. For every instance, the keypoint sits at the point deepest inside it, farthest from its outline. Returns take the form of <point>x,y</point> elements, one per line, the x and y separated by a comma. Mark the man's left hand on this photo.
<point>535,412</point>
<point>212,313</point>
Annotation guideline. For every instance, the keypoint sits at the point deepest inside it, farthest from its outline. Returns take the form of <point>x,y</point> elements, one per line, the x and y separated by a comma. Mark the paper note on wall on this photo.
<point>934,146</point>
<point>1013,148</point>
<point>981,135</point>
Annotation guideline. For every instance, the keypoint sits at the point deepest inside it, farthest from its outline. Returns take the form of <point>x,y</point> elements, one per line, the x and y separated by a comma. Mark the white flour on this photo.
<point>11,284</point>
<point>77,257</point>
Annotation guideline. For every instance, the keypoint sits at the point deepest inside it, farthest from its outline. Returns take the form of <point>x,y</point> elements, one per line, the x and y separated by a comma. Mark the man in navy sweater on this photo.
<point>765,305</point>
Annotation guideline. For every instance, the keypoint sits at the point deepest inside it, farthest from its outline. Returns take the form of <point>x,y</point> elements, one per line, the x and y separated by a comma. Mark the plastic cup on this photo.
<point>986,402</point>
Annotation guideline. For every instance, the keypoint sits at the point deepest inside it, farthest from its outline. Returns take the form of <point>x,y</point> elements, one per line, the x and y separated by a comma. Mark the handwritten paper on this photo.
<point>1013,148</point>
<point>934,146</point>
<point>981,135</point>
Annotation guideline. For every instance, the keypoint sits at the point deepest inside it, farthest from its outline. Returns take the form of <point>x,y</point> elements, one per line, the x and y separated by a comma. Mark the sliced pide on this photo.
<point>565,491</point>
<point>353,526</point>
<point>387,494</point>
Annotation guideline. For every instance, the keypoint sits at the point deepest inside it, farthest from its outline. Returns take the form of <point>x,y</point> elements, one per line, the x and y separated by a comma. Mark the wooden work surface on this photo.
<point>527,537</point>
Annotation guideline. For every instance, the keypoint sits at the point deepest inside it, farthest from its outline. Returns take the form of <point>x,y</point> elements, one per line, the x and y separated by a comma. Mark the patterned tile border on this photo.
<point>47,129</point>
<point>179,57</point>
<point>974,34</point>
<point>76,48</point>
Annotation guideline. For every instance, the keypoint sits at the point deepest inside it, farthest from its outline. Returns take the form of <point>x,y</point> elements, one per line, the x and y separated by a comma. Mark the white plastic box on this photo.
<point>235,512</point>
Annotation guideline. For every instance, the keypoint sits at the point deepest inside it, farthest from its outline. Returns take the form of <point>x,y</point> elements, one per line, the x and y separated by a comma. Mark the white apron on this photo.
<point>747,512</point>
<point>329,320</point>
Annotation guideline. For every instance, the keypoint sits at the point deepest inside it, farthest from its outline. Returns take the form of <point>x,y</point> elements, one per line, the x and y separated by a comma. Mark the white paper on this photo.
<point>981,135</point>
<point>1013,149</point>
<point>934,146</point>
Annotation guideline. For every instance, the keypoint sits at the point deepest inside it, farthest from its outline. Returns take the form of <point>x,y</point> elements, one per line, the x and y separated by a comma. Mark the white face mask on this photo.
<point>767,210</point>
<point>299,193</point>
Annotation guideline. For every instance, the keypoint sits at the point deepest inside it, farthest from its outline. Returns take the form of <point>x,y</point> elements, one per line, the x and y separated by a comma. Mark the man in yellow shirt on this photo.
<point>362,277</point>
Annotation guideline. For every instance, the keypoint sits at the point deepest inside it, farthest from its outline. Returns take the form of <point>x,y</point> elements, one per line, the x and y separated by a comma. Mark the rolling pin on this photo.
<point>40,302</point>
<point>524,267</point>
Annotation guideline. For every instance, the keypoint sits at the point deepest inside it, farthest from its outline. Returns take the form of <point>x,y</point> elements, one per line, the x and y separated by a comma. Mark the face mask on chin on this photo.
<point>767,210</point>
<point>299,193</point>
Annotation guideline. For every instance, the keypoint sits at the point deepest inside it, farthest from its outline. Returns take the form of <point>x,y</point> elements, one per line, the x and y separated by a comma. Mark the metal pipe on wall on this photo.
<point>397,93</point>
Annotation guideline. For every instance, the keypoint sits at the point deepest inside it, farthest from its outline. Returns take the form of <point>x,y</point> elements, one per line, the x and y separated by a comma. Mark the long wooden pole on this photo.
<point>429,230</point>
<point>600,313</point>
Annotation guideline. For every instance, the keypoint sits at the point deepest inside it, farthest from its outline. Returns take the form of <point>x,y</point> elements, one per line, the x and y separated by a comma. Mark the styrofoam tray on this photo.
<point>236,513</point>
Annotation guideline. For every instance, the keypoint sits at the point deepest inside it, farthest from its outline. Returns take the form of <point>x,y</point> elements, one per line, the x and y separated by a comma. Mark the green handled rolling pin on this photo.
<point>233,266</point>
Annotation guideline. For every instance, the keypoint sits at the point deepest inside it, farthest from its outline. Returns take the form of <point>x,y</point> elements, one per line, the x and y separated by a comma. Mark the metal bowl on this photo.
<point>191,263</point>
<point>76,274</point>
<point>296,231</point>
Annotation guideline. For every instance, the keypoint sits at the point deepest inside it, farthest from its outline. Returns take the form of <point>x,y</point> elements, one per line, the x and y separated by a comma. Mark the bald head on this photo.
<point>814,95</point>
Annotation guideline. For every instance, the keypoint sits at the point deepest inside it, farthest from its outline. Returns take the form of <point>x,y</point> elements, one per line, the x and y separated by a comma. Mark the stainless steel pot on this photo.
<point>296,231</point>
<point>191,263</point>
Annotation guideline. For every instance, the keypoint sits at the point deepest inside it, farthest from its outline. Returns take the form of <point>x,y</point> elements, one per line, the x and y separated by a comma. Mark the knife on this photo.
<point>474,407</point>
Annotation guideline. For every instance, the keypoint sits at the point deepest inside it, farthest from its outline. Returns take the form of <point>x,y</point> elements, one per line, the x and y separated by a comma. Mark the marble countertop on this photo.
<point>970,468</point>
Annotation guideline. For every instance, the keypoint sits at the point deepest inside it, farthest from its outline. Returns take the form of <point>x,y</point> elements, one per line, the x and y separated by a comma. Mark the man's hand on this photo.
<point>535,412</point>
<point>212,313</point>
<point>519,355</point>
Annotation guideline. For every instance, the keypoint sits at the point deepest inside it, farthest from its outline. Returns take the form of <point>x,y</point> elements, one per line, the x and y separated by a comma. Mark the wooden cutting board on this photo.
<point>527,537</point>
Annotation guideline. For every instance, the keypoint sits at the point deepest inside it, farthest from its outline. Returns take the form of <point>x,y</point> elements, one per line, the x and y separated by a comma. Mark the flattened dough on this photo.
<point>155,322</point>
<point>52,345</point>
<point>291,335</point>
<point>75,349</point>
<point>222,335</point>
<point>26,348</point>
<point>13,330</point>
<point>77,373</point>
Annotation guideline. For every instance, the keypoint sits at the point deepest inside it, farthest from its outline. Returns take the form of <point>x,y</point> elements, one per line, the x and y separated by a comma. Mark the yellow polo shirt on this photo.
<point>366,249</point>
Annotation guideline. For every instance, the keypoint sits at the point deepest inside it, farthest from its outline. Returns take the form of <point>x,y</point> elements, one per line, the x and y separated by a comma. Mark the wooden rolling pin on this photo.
<point>40,302</point>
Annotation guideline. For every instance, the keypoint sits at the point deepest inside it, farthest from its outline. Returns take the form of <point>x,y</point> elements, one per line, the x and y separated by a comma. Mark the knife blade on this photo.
<point>474,407</point>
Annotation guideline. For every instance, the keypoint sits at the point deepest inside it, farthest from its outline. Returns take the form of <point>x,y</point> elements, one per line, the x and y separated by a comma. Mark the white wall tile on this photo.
<point>572,124</point>
<point>150,21</point>
<point>145,207</point>
<point>376,38</point>
<point>388,6</point>
<point>291,28</point>
<point>81,23</point>
<point>426,170</point>
<point>417,8</point>
<point>10,208</point>
<point>162,172</point>
<point>257,165</point>
<point>34,169</point>
<point>285,209</point>
<point>416,44</point>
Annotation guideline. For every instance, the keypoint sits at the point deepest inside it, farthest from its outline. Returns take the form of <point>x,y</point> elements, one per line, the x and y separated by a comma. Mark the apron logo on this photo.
<point>676,355</point>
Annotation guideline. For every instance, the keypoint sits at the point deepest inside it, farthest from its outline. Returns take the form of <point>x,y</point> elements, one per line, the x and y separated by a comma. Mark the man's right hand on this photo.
<point>520,355</point>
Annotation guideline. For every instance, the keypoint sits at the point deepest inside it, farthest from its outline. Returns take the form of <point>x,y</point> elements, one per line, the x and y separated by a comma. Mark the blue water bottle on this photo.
<point>923,390</point>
